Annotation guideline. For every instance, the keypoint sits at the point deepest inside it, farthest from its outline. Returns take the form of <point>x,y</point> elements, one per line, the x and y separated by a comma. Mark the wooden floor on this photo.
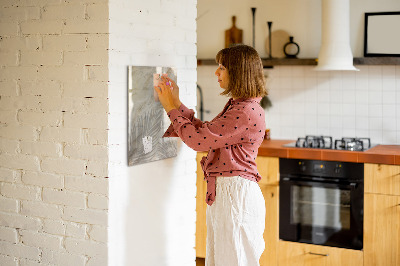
<point>200,262</point>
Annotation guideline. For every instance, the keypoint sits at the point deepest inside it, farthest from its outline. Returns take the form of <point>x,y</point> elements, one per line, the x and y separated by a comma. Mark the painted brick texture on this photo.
<point>152,206</point>
<point>53,135</point>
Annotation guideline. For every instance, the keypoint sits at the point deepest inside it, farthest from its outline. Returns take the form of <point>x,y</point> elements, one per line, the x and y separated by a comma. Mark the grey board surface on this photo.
<point>147,120</point>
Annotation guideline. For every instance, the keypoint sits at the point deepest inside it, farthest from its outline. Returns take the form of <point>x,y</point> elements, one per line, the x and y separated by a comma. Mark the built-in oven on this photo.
<point>321,202</point>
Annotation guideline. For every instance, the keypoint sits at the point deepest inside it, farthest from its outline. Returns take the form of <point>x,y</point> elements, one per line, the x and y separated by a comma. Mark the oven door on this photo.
<point>321,212</point>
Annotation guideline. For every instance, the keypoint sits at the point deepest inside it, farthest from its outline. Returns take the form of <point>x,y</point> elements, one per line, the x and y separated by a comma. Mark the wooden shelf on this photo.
<point>269,63</point>
<point>377,61</point>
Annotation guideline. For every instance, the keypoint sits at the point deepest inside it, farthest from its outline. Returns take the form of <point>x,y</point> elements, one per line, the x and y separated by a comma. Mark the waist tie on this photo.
<point>210,196</point>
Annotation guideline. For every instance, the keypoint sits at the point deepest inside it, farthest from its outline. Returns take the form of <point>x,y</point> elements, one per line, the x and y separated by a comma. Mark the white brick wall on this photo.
<point>152,206</point>
<point>53,135</point>
<point>60,139</point>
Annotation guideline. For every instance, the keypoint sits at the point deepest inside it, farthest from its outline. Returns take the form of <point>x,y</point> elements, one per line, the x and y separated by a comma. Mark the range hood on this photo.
<point>335,52</point>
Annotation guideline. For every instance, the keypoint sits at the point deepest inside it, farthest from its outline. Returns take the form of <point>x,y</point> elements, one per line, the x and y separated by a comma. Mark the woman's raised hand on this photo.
<point>165,96</point>
<point>175,90</point>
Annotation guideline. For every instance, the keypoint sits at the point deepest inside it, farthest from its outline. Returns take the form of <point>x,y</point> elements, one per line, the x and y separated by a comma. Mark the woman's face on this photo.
<point>223,76</point>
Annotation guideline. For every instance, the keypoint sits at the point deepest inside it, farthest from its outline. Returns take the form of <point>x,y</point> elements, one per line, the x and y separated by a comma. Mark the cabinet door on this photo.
<point>299,254</point>
<point>382,179</point>
<point>201,205</point>
<point>268,167</point>
<point>381,230</point>
<point>271,232</point>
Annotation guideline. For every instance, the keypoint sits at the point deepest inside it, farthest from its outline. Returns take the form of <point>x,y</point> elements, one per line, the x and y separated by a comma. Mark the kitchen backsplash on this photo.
<point>365,103</point>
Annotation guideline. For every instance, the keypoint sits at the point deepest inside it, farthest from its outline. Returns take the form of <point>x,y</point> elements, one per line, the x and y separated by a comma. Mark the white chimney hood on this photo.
<point>335,52</point>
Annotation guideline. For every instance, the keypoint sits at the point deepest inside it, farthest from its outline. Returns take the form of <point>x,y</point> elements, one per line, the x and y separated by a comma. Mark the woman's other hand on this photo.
<point>175,90</point>
<point>165,96</point>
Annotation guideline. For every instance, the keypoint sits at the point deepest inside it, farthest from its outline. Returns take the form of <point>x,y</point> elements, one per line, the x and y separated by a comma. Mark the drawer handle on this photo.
<point>318,254</point>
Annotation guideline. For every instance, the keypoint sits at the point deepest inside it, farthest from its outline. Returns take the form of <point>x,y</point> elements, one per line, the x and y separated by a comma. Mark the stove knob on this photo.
<point>338,169</point>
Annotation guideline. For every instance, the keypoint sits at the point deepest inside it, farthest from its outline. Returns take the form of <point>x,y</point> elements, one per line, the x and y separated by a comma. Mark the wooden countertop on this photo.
<point>380,154</point>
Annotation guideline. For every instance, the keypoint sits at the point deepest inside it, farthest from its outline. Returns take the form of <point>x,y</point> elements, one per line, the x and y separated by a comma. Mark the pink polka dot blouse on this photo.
<point>232,139</point>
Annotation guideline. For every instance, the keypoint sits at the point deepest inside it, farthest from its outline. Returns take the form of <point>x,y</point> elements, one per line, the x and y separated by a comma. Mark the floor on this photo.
<point>200,262</point>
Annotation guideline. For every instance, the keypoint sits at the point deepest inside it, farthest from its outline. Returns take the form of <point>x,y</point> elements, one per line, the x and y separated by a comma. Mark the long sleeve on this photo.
<point>233,127</point>
<point>187,113</point>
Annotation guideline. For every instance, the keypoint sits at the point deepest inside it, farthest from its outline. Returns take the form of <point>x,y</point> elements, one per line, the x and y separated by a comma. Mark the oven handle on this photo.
<point>310,182</point>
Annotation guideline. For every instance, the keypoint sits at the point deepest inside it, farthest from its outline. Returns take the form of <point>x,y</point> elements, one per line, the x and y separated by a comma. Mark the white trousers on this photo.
<point>235,223</point>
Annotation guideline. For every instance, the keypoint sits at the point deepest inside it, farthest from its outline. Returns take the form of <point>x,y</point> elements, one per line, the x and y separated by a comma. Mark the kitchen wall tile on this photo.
<point>348,109</point>
<point>367,101</point>
<point>323,121</point>
<point>323,95</point>
<point>348,132</point>
<point>298,83</point>
<point>349,122</point>
<point>375,97</point>
<point>285,83</point>
<point>388,97</point>
<point>286,71</point>
<point>362,78</point>
<point>376,136</point>
<point>389,110</point>
<point>362,133</point>
<point>349,96</point>
<point>325,131</point>
<point>362,123</point>
<point>375,123</point>
<point>336,121</point>
<point>375,110</point>
<point>375,84</point>
<point>323,109</point>
<point>362,110</point>
<point>310,81</point>
<point>389,124</point>
<point>310,95</point>
<point>389,136</point>
<point>336,109</point>
<point>349,79</point>
<point>298,72</point>
<point>362,97</point>
<point>311,123</point>
<point>336,81</point>
<point>322,82</point>
<point>397,73</point>
<point>336,96</point>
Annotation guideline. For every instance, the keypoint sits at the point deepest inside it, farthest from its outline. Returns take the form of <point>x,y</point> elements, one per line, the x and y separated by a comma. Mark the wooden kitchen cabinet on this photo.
<point>271,232</point>
<point>300,254</point>
<point>382,179</point>
<point>382,215</point>
<point>201,205</point>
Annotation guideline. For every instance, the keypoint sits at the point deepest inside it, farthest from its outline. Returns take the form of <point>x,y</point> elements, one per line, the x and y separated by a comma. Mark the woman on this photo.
<point>236,211</point>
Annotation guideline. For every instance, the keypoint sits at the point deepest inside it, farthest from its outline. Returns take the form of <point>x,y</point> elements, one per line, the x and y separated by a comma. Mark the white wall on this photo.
<point>53,135</point>
<point>152,206</point>
<point>301,19</point>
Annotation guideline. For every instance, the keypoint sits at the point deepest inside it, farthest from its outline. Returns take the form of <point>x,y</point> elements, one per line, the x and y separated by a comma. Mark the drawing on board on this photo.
<point>147,120</point>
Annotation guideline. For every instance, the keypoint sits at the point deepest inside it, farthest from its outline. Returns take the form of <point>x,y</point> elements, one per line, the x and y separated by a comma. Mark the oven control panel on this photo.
<point>317,168</point>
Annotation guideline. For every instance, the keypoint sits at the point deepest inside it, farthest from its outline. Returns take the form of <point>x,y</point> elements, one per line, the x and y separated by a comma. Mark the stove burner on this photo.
<point>353,144</point>
<point>324,142</point>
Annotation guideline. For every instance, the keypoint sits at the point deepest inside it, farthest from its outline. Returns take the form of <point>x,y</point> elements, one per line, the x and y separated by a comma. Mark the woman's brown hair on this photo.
<point>245,69</point>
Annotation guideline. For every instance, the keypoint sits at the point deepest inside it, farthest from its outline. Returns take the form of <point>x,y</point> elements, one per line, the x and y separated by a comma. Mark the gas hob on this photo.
<point>327,142</point>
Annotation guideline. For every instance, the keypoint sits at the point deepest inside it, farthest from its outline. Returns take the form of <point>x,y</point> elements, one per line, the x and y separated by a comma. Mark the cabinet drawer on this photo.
<point>382,179</point>
<point>299,254</point>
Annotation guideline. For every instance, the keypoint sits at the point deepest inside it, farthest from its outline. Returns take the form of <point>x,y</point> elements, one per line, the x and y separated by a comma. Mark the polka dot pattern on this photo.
<point>232,139</point>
